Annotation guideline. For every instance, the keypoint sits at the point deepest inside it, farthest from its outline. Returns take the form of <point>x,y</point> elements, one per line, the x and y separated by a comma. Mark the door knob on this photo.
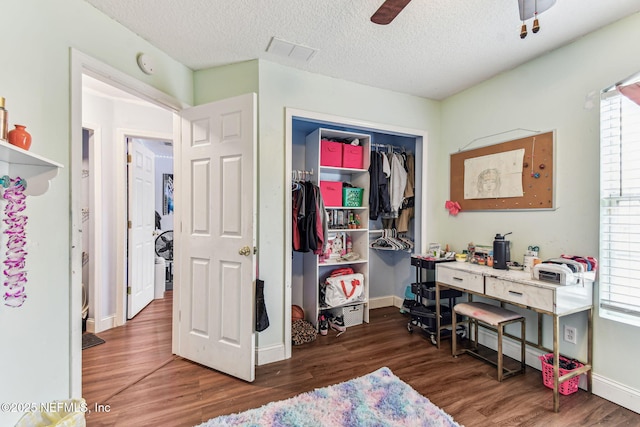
<point>245,250</point>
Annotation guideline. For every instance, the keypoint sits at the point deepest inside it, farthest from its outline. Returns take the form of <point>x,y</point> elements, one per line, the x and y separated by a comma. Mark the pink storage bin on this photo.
<point>330,153</point>
<point>331,192</point>
<point>352,156</point>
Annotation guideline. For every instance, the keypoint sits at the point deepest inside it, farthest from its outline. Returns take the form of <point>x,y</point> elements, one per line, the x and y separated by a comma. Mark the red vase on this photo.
<point>19,137</point>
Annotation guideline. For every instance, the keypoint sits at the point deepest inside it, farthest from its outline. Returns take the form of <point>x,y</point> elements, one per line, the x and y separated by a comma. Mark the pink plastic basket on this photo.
<point>566,387</point>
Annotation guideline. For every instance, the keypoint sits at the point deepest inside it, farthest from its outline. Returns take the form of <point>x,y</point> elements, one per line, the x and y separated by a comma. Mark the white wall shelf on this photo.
<point>37,170</point>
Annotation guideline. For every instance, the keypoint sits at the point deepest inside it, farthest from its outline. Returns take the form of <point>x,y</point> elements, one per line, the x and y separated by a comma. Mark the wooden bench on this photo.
<point>496,318</point>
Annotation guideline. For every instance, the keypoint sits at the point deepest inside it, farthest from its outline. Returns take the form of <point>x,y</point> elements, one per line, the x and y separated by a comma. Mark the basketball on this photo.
<point>297,313</point>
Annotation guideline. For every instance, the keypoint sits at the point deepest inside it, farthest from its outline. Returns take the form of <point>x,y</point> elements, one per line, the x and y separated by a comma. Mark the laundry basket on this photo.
<point>566,387</point>
<point>352,197</point>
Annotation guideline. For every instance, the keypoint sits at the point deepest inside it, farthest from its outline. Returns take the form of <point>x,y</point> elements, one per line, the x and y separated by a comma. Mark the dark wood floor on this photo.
<point>136,381</point>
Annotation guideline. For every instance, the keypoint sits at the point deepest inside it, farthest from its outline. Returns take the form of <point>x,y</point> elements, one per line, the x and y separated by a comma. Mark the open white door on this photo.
<point>215,263</point>
<point>141,251</point>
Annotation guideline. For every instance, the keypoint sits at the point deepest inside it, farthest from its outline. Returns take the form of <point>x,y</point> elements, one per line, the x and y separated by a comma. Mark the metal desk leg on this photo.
<point>556,363</point>
<point>539,342</point>
<point>590,349</point>
<point>438,315</point>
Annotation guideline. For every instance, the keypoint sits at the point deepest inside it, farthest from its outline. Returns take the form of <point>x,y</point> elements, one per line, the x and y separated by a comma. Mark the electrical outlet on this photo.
<point>570,334</point>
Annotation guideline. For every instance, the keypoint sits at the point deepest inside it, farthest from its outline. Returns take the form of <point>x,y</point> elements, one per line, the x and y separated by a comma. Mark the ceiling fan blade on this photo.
<point>388,11</point>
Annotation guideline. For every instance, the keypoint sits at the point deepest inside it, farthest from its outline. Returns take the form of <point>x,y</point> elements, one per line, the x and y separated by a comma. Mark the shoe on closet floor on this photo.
<point>337,324</point>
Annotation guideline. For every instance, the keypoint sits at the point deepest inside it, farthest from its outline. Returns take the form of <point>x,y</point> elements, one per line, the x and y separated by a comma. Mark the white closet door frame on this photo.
<point>361,126</point>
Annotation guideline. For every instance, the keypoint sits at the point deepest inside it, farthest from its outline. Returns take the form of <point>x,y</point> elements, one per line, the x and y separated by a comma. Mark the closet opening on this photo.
<point>374,243</point>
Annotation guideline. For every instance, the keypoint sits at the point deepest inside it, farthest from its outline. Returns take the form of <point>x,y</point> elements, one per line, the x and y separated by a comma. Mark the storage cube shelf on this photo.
<point>330,153</point>
<point>321,154</point>
<point>331,193</point>
<point>352,156</point>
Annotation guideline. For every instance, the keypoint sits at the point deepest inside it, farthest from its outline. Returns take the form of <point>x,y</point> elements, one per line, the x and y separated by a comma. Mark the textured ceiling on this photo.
<point>433,49</point>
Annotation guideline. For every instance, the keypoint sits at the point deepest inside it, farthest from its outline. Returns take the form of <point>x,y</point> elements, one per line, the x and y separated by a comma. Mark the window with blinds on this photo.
<point>619,263</point>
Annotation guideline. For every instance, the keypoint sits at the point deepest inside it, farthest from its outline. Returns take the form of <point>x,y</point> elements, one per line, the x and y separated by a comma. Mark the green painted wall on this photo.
<point>35,80</point>
<point>225,82</point>
<point>559,91</point>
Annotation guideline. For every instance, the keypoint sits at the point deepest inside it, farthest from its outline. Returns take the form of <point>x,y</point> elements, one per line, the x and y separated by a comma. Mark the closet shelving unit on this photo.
<point>317,270</point>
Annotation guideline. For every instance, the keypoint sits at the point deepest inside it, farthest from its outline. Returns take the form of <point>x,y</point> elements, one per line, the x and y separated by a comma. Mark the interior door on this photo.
<point>216,237</point>
<point>141,210</point>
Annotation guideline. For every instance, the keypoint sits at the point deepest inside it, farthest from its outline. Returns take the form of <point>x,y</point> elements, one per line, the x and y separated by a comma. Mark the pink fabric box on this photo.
<point>352,156</point>
<point>330,153</point>
<point>331,192</point>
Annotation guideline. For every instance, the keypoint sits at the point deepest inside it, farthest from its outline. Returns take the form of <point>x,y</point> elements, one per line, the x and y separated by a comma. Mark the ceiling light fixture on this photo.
<point>523,30</point>
<point>531,9</point>
<point>536,24</point>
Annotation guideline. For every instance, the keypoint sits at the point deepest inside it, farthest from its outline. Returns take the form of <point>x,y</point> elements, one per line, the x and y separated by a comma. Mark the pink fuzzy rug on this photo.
<point>376,399</point>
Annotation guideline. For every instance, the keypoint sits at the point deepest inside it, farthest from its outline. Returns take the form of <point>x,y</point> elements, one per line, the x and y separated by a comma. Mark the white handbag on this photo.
<point>340,290</point>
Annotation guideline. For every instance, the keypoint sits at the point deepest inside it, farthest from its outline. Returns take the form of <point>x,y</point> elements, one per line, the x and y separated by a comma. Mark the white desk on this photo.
<point>519,289</point>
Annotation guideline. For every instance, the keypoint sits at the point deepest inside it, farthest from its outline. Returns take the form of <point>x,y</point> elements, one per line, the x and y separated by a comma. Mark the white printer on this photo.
<point>559,270</point>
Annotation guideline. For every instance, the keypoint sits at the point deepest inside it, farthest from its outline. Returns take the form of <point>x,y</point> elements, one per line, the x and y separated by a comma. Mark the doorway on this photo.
<point>221,133</point>
<point>106,112</point>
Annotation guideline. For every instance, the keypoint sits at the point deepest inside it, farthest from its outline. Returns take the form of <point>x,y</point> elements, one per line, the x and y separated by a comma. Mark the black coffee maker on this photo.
<point>501,253</point>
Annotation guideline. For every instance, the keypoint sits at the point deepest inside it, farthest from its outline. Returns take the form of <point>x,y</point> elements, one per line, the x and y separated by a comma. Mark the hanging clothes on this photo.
<point>322,222</point>
<point>297,196</point>
<point>397,183</point>
<point>379,201</point>
<point>407,209</point>
<point>308,237</point>
<point>309,218</point>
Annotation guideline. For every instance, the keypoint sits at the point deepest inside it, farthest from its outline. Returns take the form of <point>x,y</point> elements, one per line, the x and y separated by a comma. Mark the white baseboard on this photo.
<point>104,324</point>
<point>511,348</point>
<point>91,325</point>
<point>603,387</point>
<point>617,393</point>
<point>270,354</point>
<point>380,302</point>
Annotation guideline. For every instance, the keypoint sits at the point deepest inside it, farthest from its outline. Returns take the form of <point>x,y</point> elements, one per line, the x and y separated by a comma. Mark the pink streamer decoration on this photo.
<point>16,278</point>
<point>453,207</point>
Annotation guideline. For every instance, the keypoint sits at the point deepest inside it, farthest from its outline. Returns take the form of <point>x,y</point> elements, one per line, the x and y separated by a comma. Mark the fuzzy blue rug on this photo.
<point>376,399</point>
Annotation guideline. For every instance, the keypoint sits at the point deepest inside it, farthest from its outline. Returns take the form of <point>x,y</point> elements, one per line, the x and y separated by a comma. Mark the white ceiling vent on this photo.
<point>290,50</point>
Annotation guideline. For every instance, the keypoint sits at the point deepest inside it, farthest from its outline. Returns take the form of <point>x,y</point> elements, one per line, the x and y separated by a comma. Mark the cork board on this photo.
<point>519,172</point>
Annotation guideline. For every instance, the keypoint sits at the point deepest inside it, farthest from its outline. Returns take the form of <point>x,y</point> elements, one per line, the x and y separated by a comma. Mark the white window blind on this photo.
<point>619,263</point>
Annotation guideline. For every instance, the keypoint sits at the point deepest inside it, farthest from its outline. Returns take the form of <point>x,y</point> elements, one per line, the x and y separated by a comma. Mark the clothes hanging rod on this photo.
<point>300,175</point>
<point>392,147</point>
<point>385,145</point>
